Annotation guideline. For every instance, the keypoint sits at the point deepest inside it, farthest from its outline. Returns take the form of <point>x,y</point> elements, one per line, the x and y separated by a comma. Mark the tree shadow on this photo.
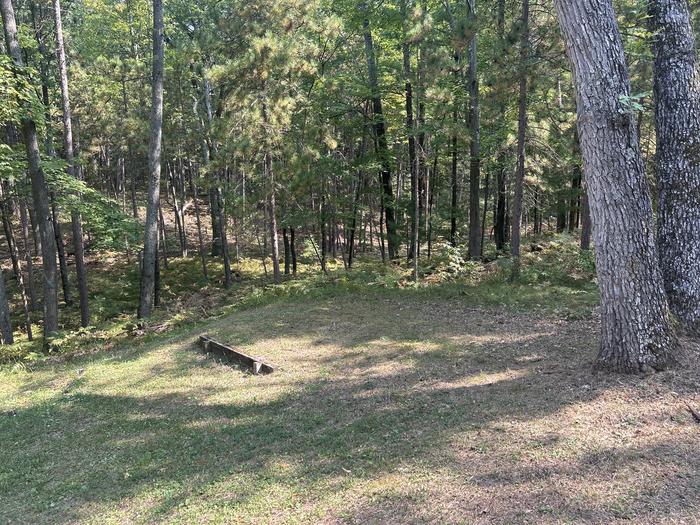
<point>378,394</point>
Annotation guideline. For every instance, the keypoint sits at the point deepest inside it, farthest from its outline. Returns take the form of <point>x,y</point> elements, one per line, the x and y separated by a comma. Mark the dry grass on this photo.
<point>386,408</point>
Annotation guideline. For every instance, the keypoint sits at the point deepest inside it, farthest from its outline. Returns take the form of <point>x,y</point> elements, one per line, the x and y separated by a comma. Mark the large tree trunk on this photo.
<point>474,144</point>
<point>150,243</point>
<point>381,143</point>
<point>39,189</point>
<point>522,129</point>
<point>637,335</point>
<point>677,94</point>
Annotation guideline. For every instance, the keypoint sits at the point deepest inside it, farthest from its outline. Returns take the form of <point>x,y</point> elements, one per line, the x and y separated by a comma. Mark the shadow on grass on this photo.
<point>396,383</point>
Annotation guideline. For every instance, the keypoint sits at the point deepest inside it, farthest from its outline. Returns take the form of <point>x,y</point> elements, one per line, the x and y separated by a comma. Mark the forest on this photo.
<point>333,261</point>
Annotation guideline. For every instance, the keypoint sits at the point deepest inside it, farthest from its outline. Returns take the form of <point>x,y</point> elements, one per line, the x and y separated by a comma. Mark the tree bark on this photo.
<point>14,256</point>
<point>39,189</point>
<point>585,223</point>
<point>272,210</point>
<point>293,250</point>
<point>150,243</point>
<point>381,142</point>
<point>522,129</point>
<point>200,237</point>
<point>61,251</point>
<point>500,228</point>
<point>677,94</point>
<point>474,144</point>
<point>637,335</point>
<point>410,134</point>
<point>5,322</point>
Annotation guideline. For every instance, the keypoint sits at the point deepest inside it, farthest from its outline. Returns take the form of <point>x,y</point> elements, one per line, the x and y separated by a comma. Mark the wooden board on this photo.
<point>234,356</point>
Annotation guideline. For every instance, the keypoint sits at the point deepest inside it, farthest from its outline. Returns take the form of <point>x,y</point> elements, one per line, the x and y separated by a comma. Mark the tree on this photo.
<point>38,182</point>
<point>74,168</point>
<point>381,140</point>
<point>522,130</point>
<point>677,97</point>
<point>150,243</point>
<point>5,322</point>
<point>637,335</point>
<point>474,142</point>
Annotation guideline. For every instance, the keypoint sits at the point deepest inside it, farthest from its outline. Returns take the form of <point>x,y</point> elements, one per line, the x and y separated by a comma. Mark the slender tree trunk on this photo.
<point>522,129</point>
<point>500,221</point>
<point>215,211</point>
<point>585,223</point>
<point>454,184</point>
<point>474,144</point>
<point>381,142</point>
<point>637,335</point>
<point>200,237</point>
<point>5,322</point>
<point>573,201</point>
<point>39,189</point>
<point>293,250</point>
<point>410,133</point>
<point>223,223</point>
<point>287,261</point>
<point>61,250</point>
<point>677,95</point>
<point>24,230</point>
<point>483,215</point>
<point>272,210</point>
<point>16,264</point>
<point>359,187</point>
<point>163,242</point>
<point>150,244</point>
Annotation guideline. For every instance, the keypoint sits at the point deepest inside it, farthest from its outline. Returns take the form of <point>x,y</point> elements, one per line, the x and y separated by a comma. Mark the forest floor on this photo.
<point>445,404</point>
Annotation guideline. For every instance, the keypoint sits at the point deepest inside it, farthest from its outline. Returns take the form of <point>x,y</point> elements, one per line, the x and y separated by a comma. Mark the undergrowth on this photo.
<point>555,278</point>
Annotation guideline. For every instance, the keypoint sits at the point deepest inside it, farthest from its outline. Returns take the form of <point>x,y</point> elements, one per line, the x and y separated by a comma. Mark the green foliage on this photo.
<point>18,98</point>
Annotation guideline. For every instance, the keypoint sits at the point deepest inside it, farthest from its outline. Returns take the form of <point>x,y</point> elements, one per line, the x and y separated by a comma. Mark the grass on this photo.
<point>464,399</point>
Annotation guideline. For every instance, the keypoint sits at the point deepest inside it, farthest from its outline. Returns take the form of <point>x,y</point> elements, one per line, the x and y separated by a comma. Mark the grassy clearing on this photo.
<point>555,278</point>
<point>450,403</point>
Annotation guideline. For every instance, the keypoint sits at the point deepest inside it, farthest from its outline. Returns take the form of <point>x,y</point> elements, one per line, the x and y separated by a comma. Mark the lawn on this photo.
<point>392,406</point>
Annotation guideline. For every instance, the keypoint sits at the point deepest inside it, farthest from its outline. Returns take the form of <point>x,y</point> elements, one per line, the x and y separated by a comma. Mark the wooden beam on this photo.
<point>233,356</point>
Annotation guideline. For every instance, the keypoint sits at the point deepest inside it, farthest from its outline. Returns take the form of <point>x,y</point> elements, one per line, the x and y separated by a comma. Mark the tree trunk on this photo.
<point>224,239</point>
<point>454,184</point>
<point>585,223</point>
<point>410,133</point>
<point>214,210</point>
<point>474,144</point>
<point>61,251</point>
<point>5,322</point>
<point>16,264</point>
<point>381,143</point>
<point>287,261</point>
<point>637,335</point>
<point>200,237</point>
<point>677,95</point>
<point>24,230</point>
<point>272,210</point>
<point>293,251</point>
<point>522,129</point>
<point>150,243</point>
<point>39,189</point>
